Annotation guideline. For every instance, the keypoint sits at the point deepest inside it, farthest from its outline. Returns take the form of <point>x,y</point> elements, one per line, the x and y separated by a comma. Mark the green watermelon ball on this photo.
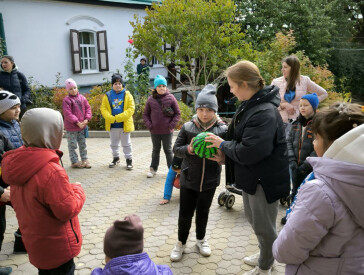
<point>199,146</point>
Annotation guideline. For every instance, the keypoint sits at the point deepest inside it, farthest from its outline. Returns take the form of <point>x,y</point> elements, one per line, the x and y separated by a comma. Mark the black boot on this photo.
<point>115,161</point>
<point>19,247</point>
<point>129,164</point>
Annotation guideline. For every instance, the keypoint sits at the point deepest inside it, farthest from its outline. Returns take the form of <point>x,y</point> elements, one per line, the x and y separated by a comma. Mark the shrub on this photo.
<point>58,95</point>
<point>186,114</point>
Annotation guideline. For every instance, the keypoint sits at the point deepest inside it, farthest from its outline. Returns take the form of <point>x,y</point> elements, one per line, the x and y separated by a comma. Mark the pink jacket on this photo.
<point>306,86</point>
<point>72,113</point>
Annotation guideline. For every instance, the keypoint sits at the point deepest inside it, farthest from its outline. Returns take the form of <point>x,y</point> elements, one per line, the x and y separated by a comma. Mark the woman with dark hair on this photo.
<point>161,114</point>
<point>255,152</point>
<point>292,86</point>
<point>14,81</point>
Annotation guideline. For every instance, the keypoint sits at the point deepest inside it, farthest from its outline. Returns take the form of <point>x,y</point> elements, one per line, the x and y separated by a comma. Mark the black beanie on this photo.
<point>124,237</point>
<point>116,78</point>
<point>207,98</point>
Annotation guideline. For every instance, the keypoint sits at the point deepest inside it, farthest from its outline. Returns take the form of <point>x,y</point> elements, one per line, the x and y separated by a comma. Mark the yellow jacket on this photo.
<point>126,116</point>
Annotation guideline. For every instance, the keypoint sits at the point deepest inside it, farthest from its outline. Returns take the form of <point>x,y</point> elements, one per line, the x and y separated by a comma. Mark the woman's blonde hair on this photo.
<point>248,72</point>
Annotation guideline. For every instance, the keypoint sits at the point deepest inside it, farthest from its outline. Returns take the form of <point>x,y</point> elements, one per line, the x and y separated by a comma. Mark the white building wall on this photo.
<point>37,35</point>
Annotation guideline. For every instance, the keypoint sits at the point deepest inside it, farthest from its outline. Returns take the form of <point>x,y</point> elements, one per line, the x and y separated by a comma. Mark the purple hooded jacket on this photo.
<point>325,231</point>
<point>137,264</point>
<point>72,113</point>
<point>155,120</point>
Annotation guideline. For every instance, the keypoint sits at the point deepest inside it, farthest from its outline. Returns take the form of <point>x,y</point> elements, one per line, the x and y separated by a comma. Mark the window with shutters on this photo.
<point>89,51</point>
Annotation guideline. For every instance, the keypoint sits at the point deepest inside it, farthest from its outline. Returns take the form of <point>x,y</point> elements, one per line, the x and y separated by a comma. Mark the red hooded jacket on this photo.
<point>46,205</point>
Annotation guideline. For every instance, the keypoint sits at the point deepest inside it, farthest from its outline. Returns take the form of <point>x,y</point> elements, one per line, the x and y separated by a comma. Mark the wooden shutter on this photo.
<point>75,51</point>
<point>102,51</point>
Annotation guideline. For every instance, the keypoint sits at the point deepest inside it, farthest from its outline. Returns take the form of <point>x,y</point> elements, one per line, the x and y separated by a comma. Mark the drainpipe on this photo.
<point>2,36</point>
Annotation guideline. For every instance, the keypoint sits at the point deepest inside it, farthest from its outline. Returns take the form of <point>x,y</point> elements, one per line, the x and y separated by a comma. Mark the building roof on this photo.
<point>122,3</point>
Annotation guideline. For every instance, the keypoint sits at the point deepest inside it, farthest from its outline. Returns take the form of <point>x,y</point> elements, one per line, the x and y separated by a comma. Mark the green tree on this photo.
<point>314,23</point>
<point>202,33</point>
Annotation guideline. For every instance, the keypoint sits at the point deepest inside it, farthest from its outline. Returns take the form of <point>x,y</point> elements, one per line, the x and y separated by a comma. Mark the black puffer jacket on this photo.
<point>256,148</point>
<point>299,148</point>
<point>197,173</point>
<point>16,83</point>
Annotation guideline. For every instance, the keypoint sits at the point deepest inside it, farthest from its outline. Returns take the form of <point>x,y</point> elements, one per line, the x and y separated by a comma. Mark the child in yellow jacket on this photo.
<point>117,108</point>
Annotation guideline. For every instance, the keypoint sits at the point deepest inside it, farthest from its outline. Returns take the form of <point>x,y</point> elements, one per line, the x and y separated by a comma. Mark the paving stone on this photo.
<point>229,234</point>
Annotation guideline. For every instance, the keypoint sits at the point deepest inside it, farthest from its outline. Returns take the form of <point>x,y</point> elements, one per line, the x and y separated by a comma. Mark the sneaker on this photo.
<point>258,271</point>
<point>19,247</point>
<point>86,164</point>
<point>284,220</point>
<point>115,161</point>
<point>252,260</point>
<point>5,270</point>
<point>204,247</point>
<point>151,173</point>
<point>77,164</point>
<point>129,164</point>
<point>177,252</point>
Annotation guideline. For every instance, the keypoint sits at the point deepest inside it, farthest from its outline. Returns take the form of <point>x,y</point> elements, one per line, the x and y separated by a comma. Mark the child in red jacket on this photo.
<point>45,202</point>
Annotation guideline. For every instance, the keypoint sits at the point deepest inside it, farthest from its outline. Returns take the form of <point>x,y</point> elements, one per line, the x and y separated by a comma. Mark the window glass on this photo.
<point>88,51</point>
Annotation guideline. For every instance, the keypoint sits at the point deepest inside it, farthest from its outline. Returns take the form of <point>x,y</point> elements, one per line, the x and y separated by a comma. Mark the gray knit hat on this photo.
<point>7,100</point>
<point>207,98</point>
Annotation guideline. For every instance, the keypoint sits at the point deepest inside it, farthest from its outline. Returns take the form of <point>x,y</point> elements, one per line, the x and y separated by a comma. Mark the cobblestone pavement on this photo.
<point>114,193</point>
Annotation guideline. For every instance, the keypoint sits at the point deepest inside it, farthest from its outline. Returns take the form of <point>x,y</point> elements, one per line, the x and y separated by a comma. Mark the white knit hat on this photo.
<point>7,100</point>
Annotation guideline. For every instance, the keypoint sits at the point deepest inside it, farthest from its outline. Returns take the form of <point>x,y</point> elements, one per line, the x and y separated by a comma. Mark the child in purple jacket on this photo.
<point>77,114</point>
<point>123,248</point>
<point>161,114</point>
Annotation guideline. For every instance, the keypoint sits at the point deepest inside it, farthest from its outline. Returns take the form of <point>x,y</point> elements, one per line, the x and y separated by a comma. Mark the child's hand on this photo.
<point>77,183</point>
<point>190,147</point>
<point>80,125</point>
<point>85,122</point>
<point>5,197</point>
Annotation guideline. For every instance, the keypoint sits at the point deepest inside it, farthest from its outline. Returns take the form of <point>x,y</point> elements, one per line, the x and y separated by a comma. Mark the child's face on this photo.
<point>319,145</point>
<point>73,91</point>
<point>306,109</point>
<point>286,70</point>
<point>11,114</point>
<point>205,114</point>
<point>161,89</point>
<point>117,86</point>
<point>142,61</point>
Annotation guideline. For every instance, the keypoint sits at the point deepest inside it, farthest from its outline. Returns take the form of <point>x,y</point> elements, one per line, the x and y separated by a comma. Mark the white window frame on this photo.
<point>88,58</point>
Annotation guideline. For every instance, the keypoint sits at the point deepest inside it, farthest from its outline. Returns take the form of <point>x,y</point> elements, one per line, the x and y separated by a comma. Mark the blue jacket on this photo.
<point>11,130</point>
<point>137,264</point>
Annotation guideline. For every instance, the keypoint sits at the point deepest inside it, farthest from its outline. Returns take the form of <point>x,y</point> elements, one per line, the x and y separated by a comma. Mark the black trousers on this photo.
<point>65,269</point>
<point>2,223</point>
<point>190,201</point>
<point>166,140</point>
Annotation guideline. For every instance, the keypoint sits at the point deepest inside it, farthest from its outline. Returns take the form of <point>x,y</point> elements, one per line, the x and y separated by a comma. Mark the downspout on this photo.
<point>2,36</point>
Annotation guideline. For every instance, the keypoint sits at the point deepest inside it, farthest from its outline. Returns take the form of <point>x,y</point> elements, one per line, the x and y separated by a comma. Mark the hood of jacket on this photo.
<point>343,168</point>
<point>16,163</point>
<point>15,68</point>
<point>42,128</point>
<point>267,94</point>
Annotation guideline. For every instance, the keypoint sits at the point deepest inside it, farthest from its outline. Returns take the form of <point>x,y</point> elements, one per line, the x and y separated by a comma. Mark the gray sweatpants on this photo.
<point>117,136</point>
<point>262,217</point>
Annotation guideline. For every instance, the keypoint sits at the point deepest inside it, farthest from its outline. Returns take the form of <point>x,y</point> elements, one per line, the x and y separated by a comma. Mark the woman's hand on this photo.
<point>290,109</point>
<point>214,139</point>
<point>219,157</point>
